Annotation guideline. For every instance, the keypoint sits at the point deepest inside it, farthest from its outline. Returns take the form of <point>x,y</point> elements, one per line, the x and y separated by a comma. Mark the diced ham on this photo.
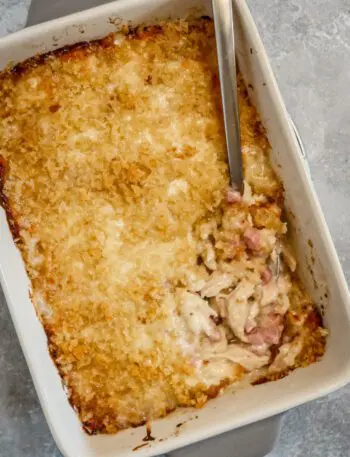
<point>261,335</point>
<point>256,337</point>
<point>233,195</point>
<point>266,275</point>
<point>252,238</point>
<point>270,320</point>
<point>268,331</point>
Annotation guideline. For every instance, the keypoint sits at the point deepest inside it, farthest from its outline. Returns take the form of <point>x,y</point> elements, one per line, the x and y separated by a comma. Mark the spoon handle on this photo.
<point>225,42</point>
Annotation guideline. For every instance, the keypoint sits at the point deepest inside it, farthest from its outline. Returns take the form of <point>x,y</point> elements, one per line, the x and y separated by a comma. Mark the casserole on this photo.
<point>152,278</point>
<point>292,199</point>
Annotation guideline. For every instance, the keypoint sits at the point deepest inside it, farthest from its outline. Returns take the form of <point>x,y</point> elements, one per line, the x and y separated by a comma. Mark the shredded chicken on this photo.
<point>217,282</point>
<point>239,308</point>
<point>286,356</point>
<point>209,256</point>
<point>196,280</point>
<point>198,315</point>
<point>243,356</point>
<point>275,289</point>
<point>251,319</point>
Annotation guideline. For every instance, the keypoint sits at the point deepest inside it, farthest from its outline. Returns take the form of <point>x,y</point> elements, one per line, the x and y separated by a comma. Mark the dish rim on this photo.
<point>339,380</point>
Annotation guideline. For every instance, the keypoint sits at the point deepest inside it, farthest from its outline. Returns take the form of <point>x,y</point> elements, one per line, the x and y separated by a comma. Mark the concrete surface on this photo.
<point>308,42</point>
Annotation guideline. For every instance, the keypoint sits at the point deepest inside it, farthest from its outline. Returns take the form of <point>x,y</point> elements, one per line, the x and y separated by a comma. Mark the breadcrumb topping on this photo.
<point>153,279</point>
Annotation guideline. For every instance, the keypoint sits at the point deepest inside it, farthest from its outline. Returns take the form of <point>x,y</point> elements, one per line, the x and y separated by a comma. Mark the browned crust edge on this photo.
<point>5,203</point>
<point>75,50</point>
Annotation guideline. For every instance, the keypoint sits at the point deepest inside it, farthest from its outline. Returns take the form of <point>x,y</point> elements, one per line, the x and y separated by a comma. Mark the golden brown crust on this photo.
<point>74,51</point>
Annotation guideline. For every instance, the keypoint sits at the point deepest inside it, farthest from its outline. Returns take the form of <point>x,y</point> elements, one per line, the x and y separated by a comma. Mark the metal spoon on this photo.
<point>225,42</point>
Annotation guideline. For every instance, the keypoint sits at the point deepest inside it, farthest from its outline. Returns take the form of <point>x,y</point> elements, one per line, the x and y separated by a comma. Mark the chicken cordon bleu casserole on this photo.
<point>157,283</point>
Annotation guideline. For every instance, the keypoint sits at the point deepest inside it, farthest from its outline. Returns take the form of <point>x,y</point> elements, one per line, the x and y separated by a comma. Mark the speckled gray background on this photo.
<point>308,42</point>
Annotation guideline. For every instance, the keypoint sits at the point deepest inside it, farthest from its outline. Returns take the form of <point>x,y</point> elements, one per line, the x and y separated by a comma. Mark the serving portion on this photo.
<point>158,285</point>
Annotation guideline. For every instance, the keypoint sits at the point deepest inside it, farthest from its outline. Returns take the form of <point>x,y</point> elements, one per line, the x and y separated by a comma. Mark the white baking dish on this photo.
<point>325,280</point>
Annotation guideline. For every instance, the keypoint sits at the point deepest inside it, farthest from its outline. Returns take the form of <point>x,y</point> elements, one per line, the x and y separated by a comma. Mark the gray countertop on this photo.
<point>308,42</point>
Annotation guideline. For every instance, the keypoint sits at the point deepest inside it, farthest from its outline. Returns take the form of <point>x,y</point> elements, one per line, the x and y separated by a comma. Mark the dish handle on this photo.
<point>254,440</point>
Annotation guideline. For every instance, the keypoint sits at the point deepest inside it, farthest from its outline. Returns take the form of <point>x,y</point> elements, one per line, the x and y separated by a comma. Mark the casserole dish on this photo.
<point>311,238</point>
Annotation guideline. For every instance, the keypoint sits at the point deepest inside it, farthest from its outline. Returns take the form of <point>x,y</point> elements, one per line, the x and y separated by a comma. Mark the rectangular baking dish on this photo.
<point>319,265</point>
